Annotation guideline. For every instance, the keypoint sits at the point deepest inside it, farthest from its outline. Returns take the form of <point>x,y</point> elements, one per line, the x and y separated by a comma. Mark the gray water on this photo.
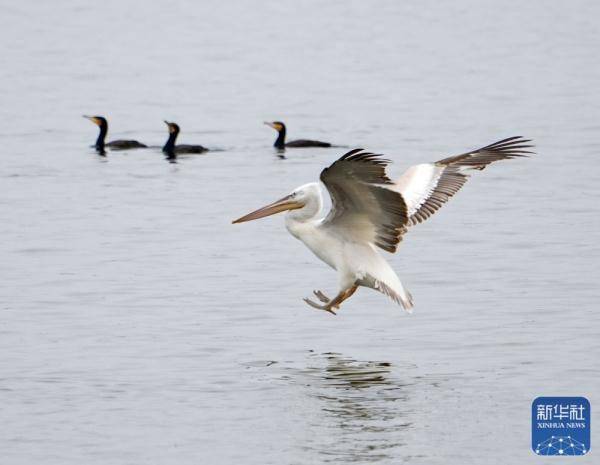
<point>139,326</point>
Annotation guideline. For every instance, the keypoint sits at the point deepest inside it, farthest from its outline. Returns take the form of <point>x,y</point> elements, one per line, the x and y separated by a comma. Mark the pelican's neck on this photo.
<point>101,137</point>
<point>305,225</point>
<point>280,141</point>
<point>298,227</point>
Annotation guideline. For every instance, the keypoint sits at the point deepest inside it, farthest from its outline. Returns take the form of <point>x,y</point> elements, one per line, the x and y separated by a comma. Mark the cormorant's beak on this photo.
<point>92,119</point>
<point>272,125</point>
<point>284,204</point>
<point>169,125</point>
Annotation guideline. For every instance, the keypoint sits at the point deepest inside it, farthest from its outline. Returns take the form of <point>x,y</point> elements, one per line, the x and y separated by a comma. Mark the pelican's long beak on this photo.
<point>286,203</point>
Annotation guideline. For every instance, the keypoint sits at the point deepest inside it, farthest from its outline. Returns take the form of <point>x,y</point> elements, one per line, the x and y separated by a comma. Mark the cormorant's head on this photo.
<point>277,125</point>
<point>97,120</point>
<point>173,127</point>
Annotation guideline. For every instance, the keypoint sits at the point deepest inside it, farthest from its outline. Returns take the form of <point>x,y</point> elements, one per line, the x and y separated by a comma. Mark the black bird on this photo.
<point>280,142</point>
<point>171,149</point>
<point>120,144</point>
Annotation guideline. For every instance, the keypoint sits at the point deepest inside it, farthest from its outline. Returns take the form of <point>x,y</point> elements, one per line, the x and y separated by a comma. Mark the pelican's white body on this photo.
<point>356,262</point>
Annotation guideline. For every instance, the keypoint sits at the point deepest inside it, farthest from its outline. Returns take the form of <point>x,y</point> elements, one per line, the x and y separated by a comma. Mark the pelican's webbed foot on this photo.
<point>327,307</point>
<point>322,297</point>
<point>331,304</point>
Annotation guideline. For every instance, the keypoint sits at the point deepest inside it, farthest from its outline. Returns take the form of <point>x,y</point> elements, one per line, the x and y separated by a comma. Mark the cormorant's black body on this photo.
<point>307,143</point>
<point>171,149</point>
<point>123,144</point>
<point>120,144</point>
<point>280,142</point>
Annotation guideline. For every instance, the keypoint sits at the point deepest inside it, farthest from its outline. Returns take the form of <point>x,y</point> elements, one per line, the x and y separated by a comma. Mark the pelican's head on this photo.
<point>277,125</point>
<point>97,120</point>
<point>305,201</point>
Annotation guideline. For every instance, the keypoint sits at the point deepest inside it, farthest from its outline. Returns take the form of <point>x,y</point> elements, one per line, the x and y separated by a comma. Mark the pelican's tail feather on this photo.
<point>400,295</point>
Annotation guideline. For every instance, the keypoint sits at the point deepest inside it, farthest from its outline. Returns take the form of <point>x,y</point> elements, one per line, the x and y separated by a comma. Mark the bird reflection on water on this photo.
<point>362,407</point>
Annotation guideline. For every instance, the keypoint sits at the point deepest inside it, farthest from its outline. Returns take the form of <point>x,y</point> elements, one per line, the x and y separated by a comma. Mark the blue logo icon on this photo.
<point>560,425</point>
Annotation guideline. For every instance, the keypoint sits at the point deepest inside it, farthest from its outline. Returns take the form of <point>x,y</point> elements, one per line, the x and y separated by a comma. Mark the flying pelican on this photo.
<point>370,211</point>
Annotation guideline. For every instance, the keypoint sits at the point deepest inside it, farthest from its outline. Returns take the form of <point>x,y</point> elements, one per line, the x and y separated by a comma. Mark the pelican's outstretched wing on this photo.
<point>364,207</point>
<point>428,186</point>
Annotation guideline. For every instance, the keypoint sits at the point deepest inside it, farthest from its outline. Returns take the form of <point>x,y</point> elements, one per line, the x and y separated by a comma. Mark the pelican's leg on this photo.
<point>350,292</point>
<point>333,303</point>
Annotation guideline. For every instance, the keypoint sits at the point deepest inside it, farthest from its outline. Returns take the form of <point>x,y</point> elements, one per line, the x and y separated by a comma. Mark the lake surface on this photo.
<point>139,326</point>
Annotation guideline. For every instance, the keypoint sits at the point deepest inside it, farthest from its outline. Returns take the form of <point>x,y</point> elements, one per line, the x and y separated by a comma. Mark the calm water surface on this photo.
<point>139,326</point>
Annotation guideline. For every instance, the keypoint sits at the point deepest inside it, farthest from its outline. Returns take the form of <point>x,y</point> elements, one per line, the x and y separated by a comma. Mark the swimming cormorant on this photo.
<point>171,149</point>
<point>120,144</point>
<point>280,142</point>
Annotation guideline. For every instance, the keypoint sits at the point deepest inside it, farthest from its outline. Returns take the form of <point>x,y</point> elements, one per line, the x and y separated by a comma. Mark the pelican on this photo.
<point>369,211</point>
